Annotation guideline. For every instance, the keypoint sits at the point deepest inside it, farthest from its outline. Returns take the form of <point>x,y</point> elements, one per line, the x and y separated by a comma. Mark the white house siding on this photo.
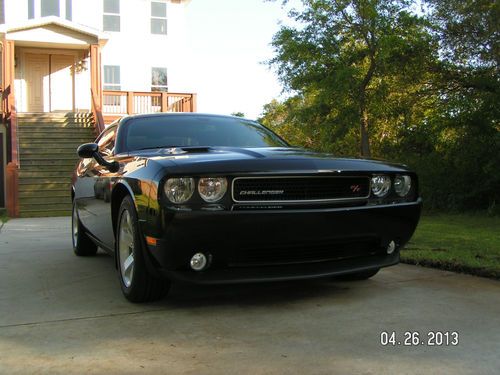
<point>135,49</point>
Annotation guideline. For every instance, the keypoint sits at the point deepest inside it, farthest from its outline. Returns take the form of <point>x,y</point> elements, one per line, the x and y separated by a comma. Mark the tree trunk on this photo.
<point>363,111</point>
<point>363,130</point>
<point>363,125</point>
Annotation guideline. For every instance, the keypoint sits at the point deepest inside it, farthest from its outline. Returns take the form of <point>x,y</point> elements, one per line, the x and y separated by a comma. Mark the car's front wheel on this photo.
<point>137,284</point>
<point>82,244</point>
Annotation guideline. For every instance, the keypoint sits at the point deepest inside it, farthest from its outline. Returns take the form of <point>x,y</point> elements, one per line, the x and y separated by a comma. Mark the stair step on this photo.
<point>45,187</point>
<point>40,173</point>
<point>55,155</point>
<point>44,213</point>
<point>55,151</point>
<point>51,137</point>
<point>42,194</point>
<point>40,142</point>
<point>66,134</point>
<point>34,202</point>
<point>58,129</point>
<point>57,191</point>
<point>30,164</point>
<point>43,180</point>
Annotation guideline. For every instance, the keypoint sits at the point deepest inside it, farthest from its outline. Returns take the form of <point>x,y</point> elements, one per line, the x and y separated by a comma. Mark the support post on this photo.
<point>9,115</point>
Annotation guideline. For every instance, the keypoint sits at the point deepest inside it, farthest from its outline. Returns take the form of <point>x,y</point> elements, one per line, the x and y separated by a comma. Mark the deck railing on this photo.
<point>133,102</point>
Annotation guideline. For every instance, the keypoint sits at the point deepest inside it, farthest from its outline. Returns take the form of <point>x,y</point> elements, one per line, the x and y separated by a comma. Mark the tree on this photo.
<point>341,51</point>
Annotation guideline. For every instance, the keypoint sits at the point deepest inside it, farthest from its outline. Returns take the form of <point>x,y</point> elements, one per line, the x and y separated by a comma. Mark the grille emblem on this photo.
<point>355,188</point>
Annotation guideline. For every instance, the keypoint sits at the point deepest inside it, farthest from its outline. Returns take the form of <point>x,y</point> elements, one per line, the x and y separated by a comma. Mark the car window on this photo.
<point>182,131</point>
<point>106,141</point>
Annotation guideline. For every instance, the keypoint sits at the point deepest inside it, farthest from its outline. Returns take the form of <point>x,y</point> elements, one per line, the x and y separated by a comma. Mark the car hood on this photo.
<point>271,159</point>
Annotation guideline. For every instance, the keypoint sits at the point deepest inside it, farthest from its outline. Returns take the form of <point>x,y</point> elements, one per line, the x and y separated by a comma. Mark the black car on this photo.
<point>218,199</point>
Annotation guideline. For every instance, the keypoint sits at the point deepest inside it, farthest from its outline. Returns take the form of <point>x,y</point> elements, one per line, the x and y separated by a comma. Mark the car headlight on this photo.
<point>179,190</point>
<point>212,189</point>
<point>381,185</point>
<point>402,185</point>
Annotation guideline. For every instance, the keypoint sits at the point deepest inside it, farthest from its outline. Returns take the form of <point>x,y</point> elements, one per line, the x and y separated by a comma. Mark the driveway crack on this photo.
<point>105,316</point>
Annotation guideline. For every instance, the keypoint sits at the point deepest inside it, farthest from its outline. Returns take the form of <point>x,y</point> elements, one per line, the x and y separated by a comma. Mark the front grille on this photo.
<point>299,189</point>
<point>329,250</point>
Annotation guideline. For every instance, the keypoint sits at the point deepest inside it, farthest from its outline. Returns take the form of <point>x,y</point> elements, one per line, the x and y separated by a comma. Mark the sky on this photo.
<point>227,43</point>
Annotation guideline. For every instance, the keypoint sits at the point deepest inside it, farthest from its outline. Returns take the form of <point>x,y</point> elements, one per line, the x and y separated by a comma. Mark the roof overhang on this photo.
<point>53,32</point>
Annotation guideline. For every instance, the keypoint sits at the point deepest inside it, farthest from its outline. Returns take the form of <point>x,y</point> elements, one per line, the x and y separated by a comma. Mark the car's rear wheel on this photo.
<point>363,275</point>
<point>82,244</point>
<point>137,284</point>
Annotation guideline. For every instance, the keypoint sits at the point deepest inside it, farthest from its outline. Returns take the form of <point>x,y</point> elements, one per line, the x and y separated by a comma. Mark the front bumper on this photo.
<point>250,246</point>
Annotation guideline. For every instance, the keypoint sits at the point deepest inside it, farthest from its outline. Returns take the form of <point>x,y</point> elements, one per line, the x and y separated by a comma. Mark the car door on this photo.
<point>93,193</point>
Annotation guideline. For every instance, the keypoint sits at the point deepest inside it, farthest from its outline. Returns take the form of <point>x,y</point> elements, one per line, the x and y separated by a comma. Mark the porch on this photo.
<point>51,65</point>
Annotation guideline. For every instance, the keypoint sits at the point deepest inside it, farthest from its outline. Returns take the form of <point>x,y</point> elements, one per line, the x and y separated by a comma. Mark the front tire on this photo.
<point>137,284</point>
<point>82,244</point>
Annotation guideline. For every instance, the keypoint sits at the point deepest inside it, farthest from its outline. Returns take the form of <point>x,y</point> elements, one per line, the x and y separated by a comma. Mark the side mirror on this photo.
<point>91,150</point>
<point>87,150</point>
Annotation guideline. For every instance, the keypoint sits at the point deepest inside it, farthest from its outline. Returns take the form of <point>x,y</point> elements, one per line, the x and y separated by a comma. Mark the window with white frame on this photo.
<point>49,8</point>
<point>69,10</point>
<point>111,15</point>
<point>112,77</point>
<point>31,9</point>
<point>2,12</point>
<point>158,17</point>
<point>159,79</point>
<point>44,8</point>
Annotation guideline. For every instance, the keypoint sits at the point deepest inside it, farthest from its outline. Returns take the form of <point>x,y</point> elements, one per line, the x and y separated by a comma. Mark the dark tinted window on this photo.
<point>168,131</point>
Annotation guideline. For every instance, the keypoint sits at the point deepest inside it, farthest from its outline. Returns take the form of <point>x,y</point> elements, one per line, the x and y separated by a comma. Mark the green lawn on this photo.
<point>3,216</point>
<point>462,243</point>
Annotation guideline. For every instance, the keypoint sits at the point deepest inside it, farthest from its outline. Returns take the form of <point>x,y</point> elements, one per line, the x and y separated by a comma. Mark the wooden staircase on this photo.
<point>47,151</point>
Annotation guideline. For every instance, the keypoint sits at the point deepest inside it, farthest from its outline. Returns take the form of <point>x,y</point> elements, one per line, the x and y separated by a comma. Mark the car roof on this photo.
<point>184,114</point>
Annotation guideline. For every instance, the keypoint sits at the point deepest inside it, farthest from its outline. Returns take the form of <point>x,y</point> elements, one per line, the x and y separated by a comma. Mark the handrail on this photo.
<point>133,102</point>
<point>96,111</point>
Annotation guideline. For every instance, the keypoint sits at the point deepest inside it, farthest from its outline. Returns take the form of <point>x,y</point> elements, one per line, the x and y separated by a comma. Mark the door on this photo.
<point>93,191</point>
<point>37,82</point>
<point>49,82</point>
<point>61,83</point>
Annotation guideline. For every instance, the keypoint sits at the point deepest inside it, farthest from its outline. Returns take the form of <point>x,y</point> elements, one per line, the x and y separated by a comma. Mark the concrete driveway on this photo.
<point>63,314</point>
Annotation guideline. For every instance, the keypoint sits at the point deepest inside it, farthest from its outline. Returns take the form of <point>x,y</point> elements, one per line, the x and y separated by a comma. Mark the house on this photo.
<point>68,68</point>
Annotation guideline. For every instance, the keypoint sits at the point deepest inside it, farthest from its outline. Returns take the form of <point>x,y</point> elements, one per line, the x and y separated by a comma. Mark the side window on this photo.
<point>159,80</point>
<point>112,77</point>
<point>50,8</point>
<point>106,142</point>
<point>158,17</point>
<point>111,15</point>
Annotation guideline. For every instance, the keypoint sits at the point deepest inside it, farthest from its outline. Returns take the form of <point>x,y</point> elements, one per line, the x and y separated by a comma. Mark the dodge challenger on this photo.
<point>218,199</point>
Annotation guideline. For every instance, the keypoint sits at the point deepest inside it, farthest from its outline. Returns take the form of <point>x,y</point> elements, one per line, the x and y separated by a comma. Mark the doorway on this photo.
<point>49,82</point>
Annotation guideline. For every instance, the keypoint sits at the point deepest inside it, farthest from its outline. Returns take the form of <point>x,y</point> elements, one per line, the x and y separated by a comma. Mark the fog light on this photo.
<point>198,262</point>
<point>391,247</point>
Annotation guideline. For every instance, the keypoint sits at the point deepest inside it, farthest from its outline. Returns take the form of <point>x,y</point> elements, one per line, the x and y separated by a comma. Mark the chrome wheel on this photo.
<point>74,225</point>
<point>126,248</point>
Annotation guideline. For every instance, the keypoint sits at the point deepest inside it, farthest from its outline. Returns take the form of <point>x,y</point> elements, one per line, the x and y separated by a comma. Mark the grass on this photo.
<point>3,216</point>
<point>461,243</point>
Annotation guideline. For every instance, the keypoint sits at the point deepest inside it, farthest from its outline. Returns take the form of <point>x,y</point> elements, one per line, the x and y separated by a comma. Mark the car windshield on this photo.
<point>191,131</point>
